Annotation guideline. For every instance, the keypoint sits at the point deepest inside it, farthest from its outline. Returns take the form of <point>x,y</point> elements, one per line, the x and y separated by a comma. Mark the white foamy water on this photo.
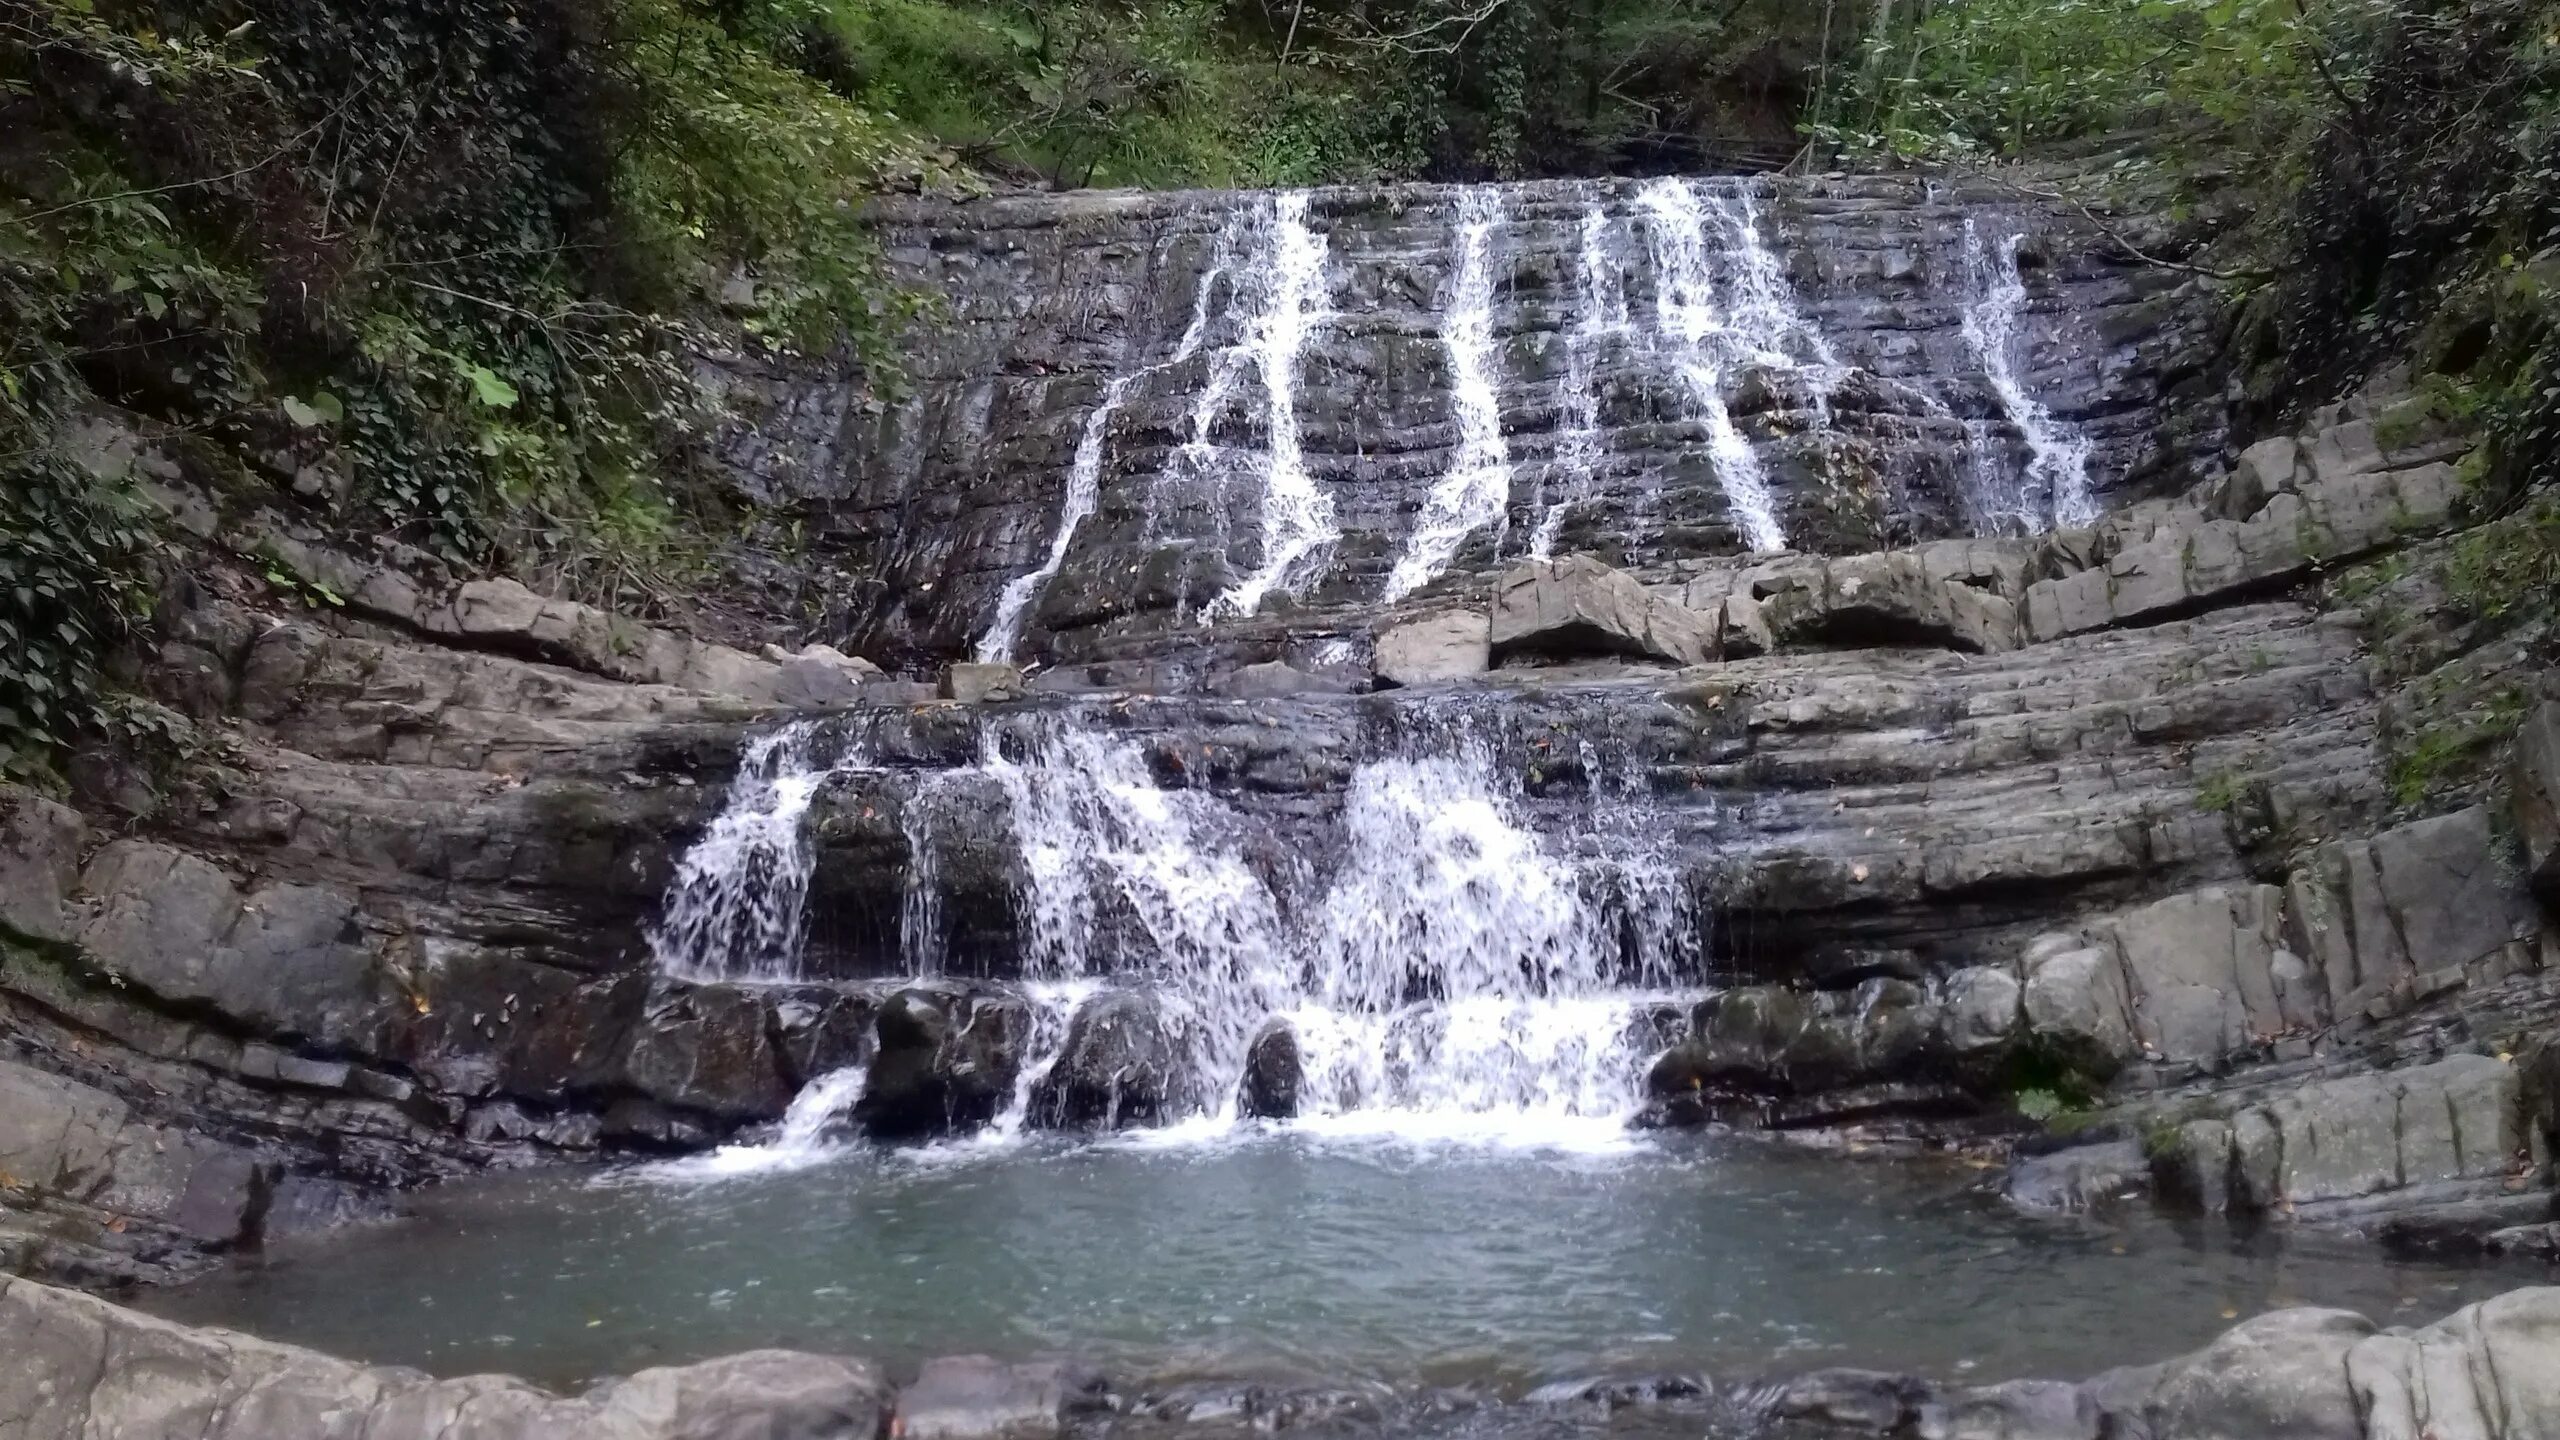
<point>1767,321</point>
<point>1703,350</point>
<point>816,1128</point>
<point>1600,314</point>
<point>734,910</point>
<point>1475,492</point>
<point>2055,488</point>
<point>1297,516</point>
<point>1457,975</point>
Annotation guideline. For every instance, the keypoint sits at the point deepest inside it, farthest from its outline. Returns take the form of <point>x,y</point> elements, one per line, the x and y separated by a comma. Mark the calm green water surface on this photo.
<point>1286,1256</point>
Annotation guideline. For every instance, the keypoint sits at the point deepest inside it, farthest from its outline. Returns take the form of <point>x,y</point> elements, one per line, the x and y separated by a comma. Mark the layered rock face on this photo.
<point>1138,409</point>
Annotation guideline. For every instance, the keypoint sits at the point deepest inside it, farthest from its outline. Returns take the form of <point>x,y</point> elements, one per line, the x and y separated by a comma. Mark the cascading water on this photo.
<point>1600,314</point>
<point>1084,470</point>
<point>1476,490</point>
<point>734,909</point>
<point>1458,974</point>
<point>1703,350</point>
<point>1084,491</point>
<point>2055,487</point>
<point>1766,320</point>
<point>1297,517</point>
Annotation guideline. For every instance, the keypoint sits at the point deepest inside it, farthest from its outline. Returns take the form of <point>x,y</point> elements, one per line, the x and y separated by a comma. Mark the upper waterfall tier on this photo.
<point>1135,413</point>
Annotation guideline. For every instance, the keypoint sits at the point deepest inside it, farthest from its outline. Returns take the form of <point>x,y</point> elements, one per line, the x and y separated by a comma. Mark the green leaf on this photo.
<point>488,388</point>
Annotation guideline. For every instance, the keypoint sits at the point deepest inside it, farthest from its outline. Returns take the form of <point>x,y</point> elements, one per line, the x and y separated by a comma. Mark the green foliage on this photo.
<point>2000,76</point>
<point>2040,1105</point>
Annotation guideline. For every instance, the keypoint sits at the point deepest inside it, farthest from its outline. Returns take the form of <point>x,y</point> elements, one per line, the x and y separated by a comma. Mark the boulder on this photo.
<point>805,684</point>
<point>2375,917</point>
<point>1888,598</point>
<point>172,1381</point>
<point>1980,1011</point>
<point>39,863</point>
<point>978,682</point>
<point>944,1060</point>
<point>2534,784</point>
<point>2280,1376</point>
<point>1273,1072</point>
<point>709,1049</point>
<point>2075,1007</point>
<point>1577,607</point>
<point>2199,970</point>
<point>1446,645</point>
<point>1117,1067</point>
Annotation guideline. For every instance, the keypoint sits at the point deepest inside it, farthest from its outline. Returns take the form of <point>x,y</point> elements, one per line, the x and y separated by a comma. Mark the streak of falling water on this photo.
<point>1704,352</point>
<point>2055,489</point>
<point>1476,490</point>
<point>1600,313</point>
<point>734,910</point>
<point>1297,517</point>
<point>1084,470</point>
<point>1763,311</point>
<point>1084,491</point>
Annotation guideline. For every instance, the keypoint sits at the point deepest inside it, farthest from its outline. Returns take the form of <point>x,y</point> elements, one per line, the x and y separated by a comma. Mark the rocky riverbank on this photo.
<point>82,1369</point>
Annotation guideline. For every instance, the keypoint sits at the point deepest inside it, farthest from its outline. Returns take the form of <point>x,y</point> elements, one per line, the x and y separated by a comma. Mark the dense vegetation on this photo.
<point>430,270</point>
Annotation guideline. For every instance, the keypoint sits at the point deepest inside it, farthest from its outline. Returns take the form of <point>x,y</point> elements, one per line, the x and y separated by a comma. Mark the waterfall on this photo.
<point>734,908</point>
<point>812,1129</point>
<point>1476,490</point>
<point>1600,312</point>
<point>1084,469</point>
<point>2055,489</point>
<point>1297,517</point>
<point>1764,315</point>
<point>1084,490</point>
<point>1457,972</point>
<point>1703,345</point>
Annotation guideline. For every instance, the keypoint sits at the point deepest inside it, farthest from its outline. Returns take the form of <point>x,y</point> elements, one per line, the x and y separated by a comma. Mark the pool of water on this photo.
<point>1285,1254</point>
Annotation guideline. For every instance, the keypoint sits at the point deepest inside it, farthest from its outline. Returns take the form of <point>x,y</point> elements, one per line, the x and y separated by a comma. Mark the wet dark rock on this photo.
<point>821,1028</point>
<point>1117,1067</point>
<point>1851,1399</point>
<point>709,1048</point>
<point>2080,1179</point>
<point>1274,679</point>
<point>1272,1073</point>
<point>1620,1392</point>
<point>2464,1227</point>
<point>945,1060</point>
<point>2534,785</point>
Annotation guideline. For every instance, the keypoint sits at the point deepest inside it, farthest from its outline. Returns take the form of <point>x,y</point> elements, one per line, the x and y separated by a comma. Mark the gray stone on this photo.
<point>39,862</point>
<point>2280,1376</point>
<point>171,1382</point>
<point>2451,900</point>
<point>1889,598</point>
<point>2361,1135</point>
<point>1277,679</point>
<point>2199,971</point>
<point>2015,1410</point>
<point>1447,645</point>
<point>287,960</point>
<point>974,682</point>
<point>804,684</point>
<point>1578,607</point>
<point>2076,1007</point>
<point>1980,1010</point>
<point>2490,1371</point>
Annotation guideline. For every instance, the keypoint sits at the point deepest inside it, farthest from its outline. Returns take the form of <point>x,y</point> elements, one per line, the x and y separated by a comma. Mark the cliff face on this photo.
<point>1285,396</point>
